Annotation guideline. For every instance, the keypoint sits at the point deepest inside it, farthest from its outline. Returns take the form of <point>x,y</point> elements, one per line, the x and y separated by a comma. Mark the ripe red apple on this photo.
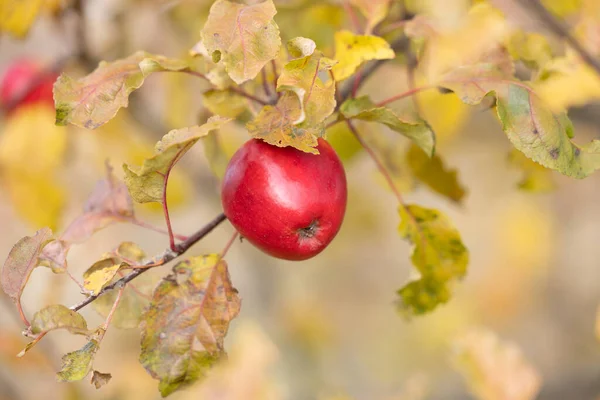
<point>288,203</point>
<point>26,82</point>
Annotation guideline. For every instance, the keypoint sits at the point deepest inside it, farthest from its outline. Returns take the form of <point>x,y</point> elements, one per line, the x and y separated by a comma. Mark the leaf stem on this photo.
<point>22,314</point>
<point>352,15</point>
<point>234,89</point>
<point>265,83</point>
<point>377,161</point>
<point>167,256</point>
<point>151,227</point>
<point>110,315</point>
<point>408,93</point>
<point>276,77</point>
<point>229,243</point>
<point>166,211</point>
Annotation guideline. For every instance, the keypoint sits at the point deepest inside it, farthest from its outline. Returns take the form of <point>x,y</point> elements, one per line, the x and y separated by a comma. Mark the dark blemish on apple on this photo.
<point>310,231</point>
<point>554,153</point>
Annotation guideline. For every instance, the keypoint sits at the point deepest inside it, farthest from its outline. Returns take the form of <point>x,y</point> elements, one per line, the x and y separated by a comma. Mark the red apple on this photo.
<point>28,82</point>
<point>288,203</point>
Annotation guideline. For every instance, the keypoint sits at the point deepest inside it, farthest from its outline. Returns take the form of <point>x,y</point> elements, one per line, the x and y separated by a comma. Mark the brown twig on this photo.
<point>167,256</point>
<point>560,30</point>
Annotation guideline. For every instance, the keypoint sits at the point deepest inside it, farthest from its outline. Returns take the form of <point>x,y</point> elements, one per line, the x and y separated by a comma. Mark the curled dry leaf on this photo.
<point>148,182</point>
<point>100,379</point>
<point>21,261</point>
<point>438,255</point>
<point>276,125</point>
<point>242,37</point>
<point>186,322</point>
<point>305,76</point>
<point>93,100</point>
<point>493,369</point>
<point>363,108</point>
<point>352,50</point>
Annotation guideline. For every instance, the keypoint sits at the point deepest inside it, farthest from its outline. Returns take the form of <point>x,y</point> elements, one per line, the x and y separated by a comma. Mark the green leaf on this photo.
<point>242,37</point>
<point>93,100</point>
<point>363,108</point>
<point>438,255</point>
<point>54,317</point>
<point>100,379</point>
<point>303,77</point>
<point>101,274</point>
<point>352,50</point>
<point>374,11</point>
<point>433,173</point>
<point>78,364</point>
<point>536,179</point>
<point>529,124</point>
<point>186,322</point>
<point>148,183</point>
<point>21,261</point>
<point>276,125</point>
<point>57,316</point>
<point>224,103</point>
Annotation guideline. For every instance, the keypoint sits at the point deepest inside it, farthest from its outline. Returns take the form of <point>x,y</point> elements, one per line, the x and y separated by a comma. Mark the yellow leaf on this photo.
<point>494,370</point>
<point>573,84</point>
<point>242,37</point>
<point>224,103</point>
<point>275,125</point>
<point>343,141</point>
<point>438,254</point>
<point>17,16</point>
<point>373,10</point>
<point>482,30</point>
<point>536,178</point>
<point>532,48</point>
<point>562,8</point>
<point>352,50</point>
<point>100,274</point>
<point>32,150</point>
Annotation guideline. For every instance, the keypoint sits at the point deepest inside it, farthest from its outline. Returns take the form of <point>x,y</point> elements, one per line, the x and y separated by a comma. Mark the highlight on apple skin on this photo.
<point>288,203</point>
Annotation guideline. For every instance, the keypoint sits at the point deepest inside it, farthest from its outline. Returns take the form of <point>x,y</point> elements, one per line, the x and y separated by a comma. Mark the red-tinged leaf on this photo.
<point>93,100</point>
<point>54,256</point>
<point>242,37</point>
<point>188,318</point>
<point>530,125</point>
<point>21,261</point>
<point>109,203</point>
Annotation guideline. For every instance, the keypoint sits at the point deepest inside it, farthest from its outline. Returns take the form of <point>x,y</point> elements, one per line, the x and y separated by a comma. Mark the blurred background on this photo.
<point>521,325</point>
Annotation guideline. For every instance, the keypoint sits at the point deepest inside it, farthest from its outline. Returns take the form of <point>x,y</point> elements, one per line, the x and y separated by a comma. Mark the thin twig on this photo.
<point>265,83</point>
<point>378,162</point>
<point>560,30</point>
<point>110,315</point>
<point>275,77</point>
<point>353,18</point>
<point>408,93</point>
<point>229,243</point>
<point>167,256</point>
<point>356,84</point>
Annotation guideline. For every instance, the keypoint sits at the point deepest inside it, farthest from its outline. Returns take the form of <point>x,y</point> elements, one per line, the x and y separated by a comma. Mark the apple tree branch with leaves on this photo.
<point>294,93</point>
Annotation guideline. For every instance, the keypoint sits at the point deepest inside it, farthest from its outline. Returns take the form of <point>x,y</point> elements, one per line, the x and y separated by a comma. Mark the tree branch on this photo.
<point>167,256</point>
<point>560,30</point>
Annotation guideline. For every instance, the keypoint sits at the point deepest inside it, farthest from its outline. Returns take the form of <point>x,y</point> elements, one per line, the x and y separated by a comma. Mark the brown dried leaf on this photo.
<point>100,379</point>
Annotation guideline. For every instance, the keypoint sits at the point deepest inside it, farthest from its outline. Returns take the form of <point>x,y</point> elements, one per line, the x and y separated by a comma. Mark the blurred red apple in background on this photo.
<point>26,81</point>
